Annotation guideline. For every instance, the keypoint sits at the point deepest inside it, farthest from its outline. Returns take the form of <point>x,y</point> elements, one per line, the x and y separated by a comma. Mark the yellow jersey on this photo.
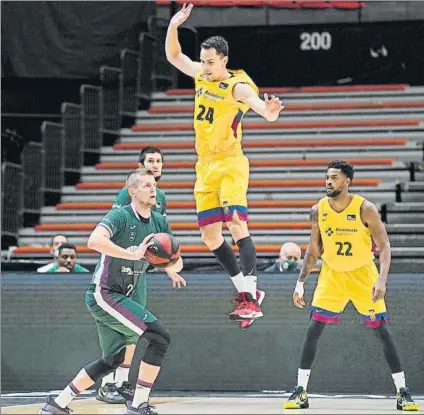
<point>347,242</point>
<point>217,115</point>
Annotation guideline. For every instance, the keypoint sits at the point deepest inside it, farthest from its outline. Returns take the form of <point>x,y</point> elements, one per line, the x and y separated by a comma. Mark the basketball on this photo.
<point>164,251</point>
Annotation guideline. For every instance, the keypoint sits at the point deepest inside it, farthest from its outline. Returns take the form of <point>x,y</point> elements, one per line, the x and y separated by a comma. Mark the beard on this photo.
<point>333,193</point>
<point>158,178</point>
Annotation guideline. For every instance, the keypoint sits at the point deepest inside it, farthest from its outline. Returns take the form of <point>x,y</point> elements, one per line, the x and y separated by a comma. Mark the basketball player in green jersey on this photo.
<point>122,237</point>
<point>150,158</point>
<point>115,388</point>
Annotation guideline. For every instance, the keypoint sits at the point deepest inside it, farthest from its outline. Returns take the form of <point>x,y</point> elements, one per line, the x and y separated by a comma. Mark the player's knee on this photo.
<point>212,237</point>
<point>159,340</point>
<point>116,360</point>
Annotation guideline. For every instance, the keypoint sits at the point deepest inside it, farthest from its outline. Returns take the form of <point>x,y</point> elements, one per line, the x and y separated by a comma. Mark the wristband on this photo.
<point>299,288</point>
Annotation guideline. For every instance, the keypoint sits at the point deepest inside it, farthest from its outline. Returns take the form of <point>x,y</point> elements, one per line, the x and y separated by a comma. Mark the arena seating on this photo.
<point>379,129</point>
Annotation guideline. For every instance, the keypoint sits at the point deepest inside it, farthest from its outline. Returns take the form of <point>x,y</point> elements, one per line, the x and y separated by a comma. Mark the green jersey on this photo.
<point>123,199</point>
<point>128,230</point>
<point>77,268</point>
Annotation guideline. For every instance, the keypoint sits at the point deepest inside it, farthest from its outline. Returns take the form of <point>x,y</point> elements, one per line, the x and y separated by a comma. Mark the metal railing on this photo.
<point>111,99</point>
<point>12,199</point>
<point>130,81</point>
<point>71,121</point>
<point>91,117</point>
<point>54,156</point>
<point>34,176</point>
<point>147,47</point>
<point>164,74</point>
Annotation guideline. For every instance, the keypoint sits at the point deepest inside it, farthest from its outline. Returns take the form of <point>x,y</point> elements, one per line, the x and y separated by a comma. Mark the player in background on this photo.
<point>115,387</point>
<point>122,237</point>
<point>222,98</point>
<point>343,227</point>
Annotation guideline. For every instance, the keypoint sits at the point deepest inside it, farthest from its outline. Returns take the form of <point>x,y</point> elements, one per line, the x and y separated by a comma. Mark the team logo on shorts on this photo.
<point>131,236</point>
<point>372,315</point>
<point>329,231</point>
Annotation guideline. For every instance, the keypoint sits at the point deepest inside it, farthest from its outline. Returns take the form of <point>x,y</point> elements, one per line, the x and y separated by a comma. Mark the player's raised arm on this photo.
<point>269,108</point>
<point>173,50</point>
<point>371,217</point>
<point>311,256</point>
<point>100,241</point>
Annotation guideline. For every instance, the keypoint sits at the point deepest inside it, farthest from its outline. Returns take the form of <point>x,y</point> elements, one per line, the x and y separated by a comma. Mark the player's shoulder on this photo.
<point>157,217</point>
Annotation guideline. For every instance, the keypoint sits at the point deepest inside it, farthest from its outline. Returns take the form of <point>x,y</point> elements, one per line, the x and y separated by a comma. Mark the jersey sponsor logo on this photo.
<point>351,217</point>
<point>199,92</point>
<point>223,85</point>
<point>126,270</point>
<point>346,230</point>
<point>329,231</point>
<point>131,236</point>
<point>213,97</point>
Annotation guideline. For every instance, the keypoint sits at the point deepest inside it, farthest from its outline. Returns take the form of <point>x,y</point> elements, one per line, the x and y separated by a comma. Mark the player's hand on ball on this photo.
<point>273,107</point>
<point>179,18</point>
<point>140,252</point>
<point>379,290</point>
<point>298,300</point>
<point>177,280</point>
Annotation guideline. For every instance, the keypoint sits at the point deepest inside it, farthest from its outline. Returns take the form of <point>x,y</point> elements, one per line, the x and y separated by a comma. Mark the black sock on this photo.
<point>310,343</point>
<point>247,256</point>
<point>227,258</point>
<point>390,349</point>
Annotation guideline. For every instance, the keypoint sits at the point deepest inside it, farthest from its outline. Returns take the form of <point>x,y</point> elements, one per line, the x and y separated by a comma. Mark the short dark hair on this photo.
<point>218,43</point>
<point>345,167</point>
<point>147,150</point>
<point>67,246</point>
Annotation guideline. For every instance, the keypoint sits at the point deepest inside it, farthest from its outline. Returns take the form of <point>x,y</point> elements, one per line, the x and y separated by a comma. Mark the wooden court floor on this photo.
<point>248,404</point>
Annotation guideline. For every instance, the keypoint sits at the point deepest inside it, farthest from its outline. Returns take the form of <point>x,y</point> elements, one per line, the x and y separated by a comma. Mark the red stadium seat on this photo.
<point>315,4</point>
<point>255,3</point>
<point>163,2</point>
<point>223,3</point>
<point>284,4</point>
<point>352,5</point>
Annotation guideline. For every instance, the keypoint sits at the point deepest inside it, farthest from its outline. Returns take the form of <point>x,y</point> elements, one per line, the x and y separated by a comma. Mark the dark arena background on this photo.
<point>86,86</point>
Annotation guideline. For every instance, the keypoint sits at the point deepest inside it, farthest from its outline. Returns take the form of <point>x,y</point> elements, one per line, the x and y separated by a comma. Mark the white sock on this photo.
<point>303,377</point>
<point>110,378</point>
<point>142,392</point>
<point>399,379</point>
<point>66,396</point>
<point>250,284</point>
<point>238,281</point>
<point>121,375</point>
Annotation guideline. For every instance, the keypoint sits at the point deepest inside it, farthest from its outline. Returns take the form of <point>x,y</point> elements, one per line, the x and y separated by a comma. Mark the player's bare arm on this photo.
<point>371,218</point>
<point>173,50</point>
<point>311,256</point>
<point>269,108</point>
<point>100,241</point>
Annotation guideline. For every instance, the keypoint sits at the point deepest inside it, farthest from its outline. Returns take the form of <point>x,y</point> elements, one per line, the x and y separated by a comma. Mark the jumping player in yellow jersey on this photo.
<point>342,227</point>
<point>222,98</point>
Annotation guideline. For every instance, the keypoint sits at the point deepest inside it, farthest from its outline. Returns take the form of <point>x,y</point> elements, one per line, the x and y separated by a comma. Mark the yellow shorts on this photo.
<point>221,187</point>
<point>335,289</point>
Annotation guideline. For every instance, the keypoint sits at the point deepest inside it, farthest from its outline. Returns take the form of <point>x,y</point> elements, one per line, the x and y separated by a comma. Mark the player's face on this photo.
<point>214,65</point>
<point>336,182</point>
<point>67,258</point>
<point>153,162</point>
<point>145,192</point>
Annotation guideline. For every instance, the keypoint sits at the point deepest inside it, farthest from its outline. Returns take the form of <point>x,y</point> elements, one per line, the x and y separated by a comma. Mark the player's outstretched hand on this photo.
<point>273,107</point>
<point>298,300</point>
<point>142,248</point>
<point>177,280</point>
<point>379,290</point>
<point>180,17</point>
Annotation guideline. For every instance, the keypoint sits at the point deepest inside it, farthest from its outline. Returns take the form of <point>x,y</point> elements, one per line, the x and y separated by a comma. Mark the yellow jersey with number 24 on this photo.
<point>347,242</point>
<point>217,115</point>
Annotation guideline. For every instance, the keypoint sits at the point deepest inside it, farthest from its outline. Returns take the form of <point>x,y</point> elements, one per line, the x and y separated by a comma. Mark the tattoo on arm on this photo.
<point>314,249</point>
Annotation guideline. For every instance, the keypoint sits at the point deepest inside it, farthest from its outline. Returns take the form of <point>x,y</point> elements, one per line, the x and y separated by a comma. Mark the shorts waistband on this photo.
<point>220,156</point>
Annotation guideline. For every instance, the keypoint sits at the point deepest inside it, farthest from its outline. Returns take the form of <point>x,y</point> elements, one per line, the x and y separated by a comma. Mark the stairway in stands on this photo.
<point>380,129</point>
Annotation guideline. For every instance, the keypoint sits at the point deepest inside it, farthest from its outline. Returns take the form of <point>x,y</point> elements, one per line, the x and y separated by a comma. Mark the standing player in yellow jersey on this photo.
<point>342,227</point>
<point>222,98</point>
